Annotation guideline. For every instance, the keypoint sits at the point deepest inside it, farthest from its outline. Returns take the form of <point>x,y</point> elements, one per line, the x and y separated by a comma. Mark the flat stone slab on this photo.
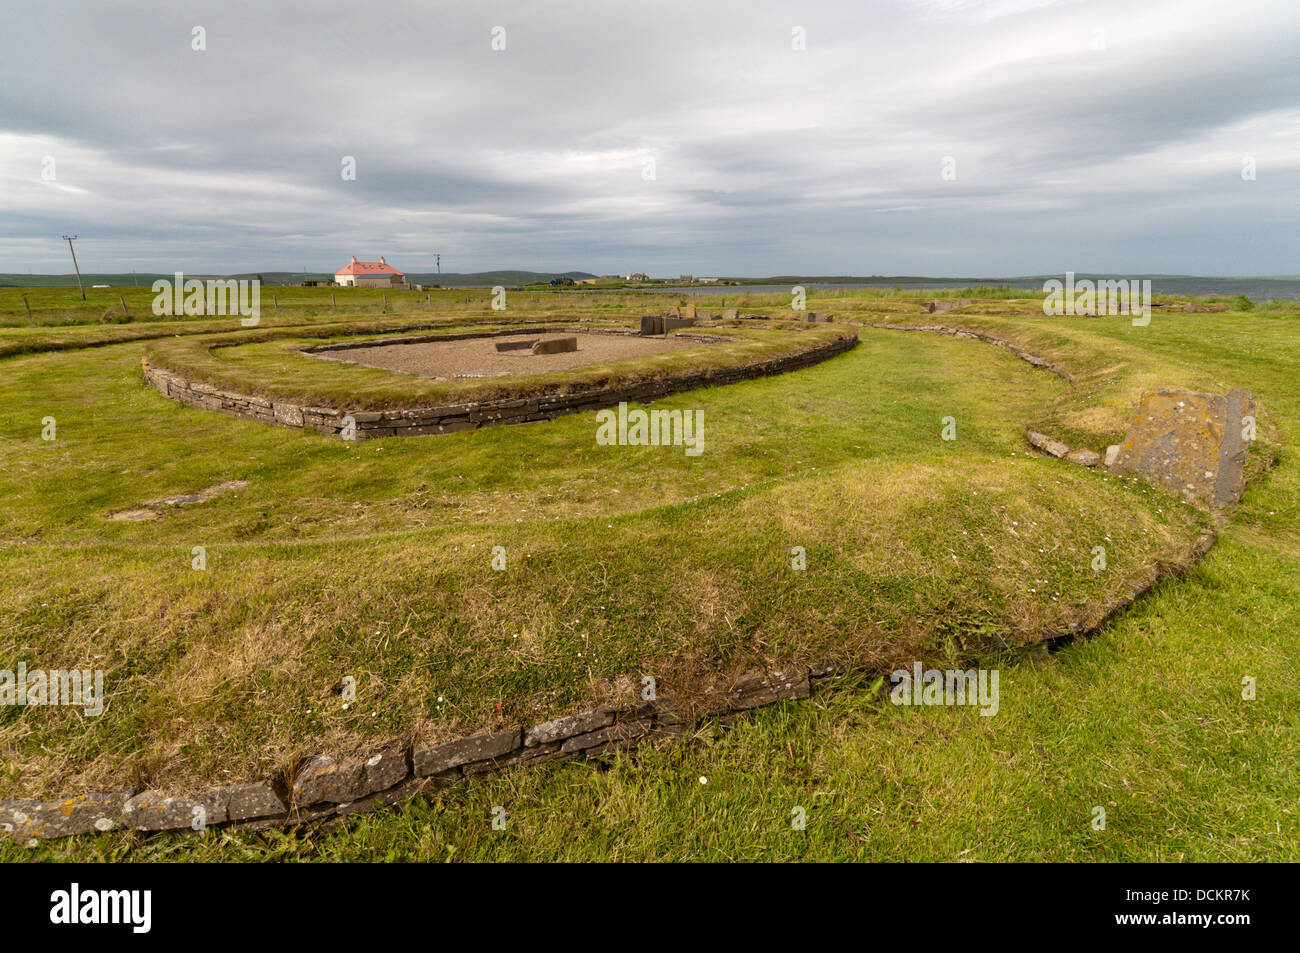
<point>561,729</point>
<point>73,815</point>
<point>1047,444</point>
<point>156,811</point>
<point>452,754</point>
<point>556,346</point>
<point>1190,443</point>
<point>341,780</point>
<point>757,690</point>
<point>515,345</point>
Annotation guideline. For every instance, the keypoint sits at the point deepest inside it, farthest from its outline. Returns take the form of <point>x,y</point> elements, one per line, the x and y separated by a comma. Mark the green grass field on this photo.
<point>372,560</point>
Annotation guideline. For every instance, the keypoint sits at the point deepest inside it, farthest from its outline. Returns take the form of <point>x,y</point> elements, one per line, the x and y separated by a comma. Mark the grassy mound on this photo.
<point>373,560</point>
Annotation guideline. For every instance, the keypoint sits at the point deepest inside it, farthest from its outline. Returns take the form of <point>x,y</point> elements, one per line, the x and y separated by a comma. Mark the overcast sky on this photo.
<point>1084,136</point>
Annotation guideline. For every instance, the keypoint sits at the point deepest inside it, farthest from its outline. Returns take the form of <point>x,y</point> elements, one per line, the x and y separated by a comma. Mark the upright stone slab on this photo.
<point>688,311</point>
<point>652,324</point>
<point>730,314</point>
<point>1191,443</point>
<point>556,346</point>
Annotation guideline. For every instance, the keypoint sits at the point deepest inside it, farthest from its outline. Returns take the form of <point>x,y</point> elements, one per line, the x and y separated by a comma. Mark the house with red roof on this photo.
<point>369,274</point>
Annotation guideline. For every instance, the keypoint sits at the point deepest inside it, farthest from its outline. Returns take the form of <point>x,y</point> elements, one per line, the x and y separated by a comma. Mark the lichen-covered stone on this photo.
<point>1191,443</point>
<point>248,801</point>
<point>73,815</point>
<point>326,778</point>
<point>384,770</point>
<point>156,811</point>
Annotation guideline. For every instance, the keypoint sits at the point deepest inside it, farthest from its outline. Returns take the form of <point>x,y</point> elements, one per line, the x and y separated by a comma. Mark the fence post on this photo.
<point>28,307</point>
<point>123,300</point>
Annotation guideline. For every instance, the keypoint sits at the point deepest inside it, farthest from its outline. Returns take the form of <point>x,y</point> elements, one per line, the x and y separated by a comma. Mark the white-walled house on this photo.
<point>369,274</point>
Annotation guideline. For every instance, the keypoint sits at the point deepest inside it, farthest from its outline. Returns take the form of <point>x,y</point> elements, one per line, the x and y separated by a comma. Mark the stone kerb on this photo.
<point>452,418</point>
<point>326,786</point>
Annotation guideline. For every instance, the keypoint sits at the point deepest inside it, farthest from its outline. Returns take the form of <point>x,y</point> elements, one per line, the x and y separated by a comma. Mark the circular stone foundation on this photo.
<point>458,379</point>
<point>484,357</point>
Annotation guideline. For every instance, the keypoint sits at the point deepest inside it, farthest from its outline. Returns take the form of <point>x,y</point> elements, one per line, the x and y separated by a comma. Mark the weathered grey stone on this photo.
<point>558,729</point>
<point>289,415</point>
<point>397,795</point>
<point>1085,458</point>
<point>1231,478</point>
<point>1191,443</point>
<point>74,815</point>
<point>156,811</point>
<point>519,757</point>
<point>556,346</point>
<point>384,770</point>
<point>730,314</point>
<point>1112,453</point>
<point>452,754</point>
<point>327,778</point>
<point>624,732</point>
<point>1046,443</point>
<point>759,690</point>
<point>514,345</point>
<point>247,801</point>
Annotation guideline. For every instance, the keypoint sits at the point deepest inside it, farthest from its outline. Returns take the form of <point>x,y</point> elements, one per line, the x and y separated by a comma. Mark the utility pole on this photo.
<point>439,257</point>
<point>70,239</point>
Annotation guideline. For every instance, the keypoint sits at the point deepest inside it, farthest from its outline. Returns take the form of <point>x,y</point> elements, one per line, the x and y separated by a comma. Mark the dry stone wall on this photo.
<point>330,786</point>
<point>451,418</point>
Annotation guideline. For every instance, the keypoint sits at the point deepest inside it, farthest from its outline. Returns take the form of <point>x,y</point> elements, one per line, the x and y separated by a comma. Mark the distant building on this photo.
<point>707,281</point>
<point>369,274</point>
<point>639,276</point>
<point>686,278</point>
